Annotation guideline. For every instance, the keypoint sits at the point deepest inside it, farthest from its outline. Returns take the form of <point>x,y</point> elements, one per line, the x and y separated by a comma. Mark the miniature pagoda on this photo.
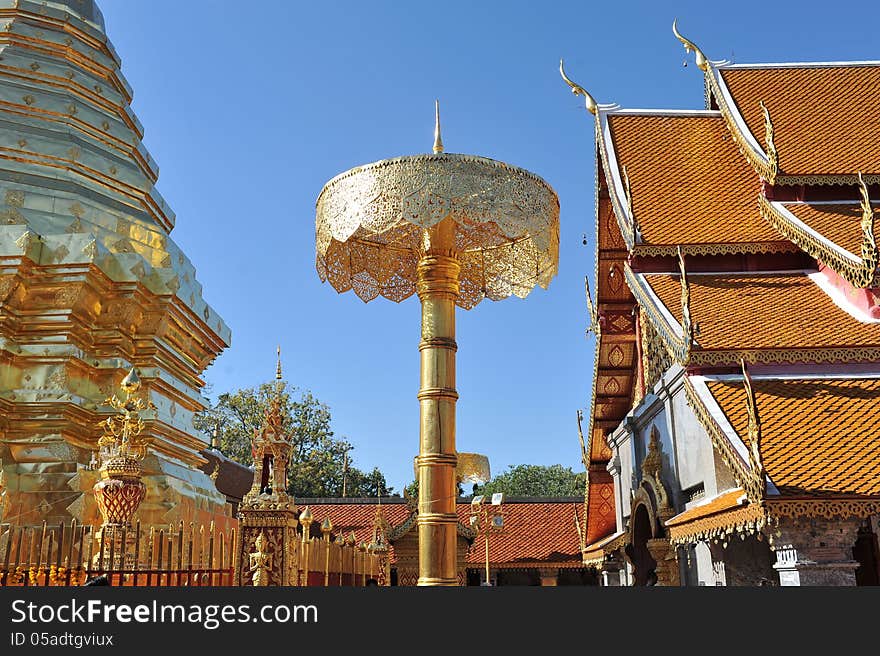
<point>737,357</point>
<point>91,283</point>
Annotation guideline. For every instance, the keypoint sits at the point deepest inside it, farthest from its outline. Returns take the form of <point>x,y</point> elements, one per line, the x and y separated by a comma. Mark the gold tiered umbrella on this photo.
<point>454,229</point>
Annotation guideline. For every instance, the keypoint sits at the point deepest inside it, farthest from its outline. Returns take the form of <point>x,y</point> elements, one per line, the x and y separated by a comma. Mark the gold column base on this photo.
<point>438,582</point>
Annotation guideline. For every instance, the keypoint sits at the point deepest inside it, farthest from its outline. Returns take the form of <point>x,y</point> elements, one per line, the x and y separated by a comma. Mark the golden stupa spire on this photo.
<point>438,141</point>
<point>273,413</point>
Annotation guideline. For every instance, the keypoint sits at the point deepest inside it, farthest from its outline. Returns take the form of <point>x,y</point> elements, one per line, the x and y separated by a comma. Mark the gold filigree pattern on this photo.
<point>679,346</point>
<point>371,221</point>
<point>755,157</point>
<point>687,326</point>
<point>745,520</point>
<point>472,468</point>
<point>775,356</point>
<point>634,226</point>
<point>869,244</point>
<point>825,508</point>
<point>772,154</point>
<point>656,358</point>
<point>755,485</point>
<point>858,272</point>
<point>649,250</point>
<point>592,312</point>
<point>652,467</point>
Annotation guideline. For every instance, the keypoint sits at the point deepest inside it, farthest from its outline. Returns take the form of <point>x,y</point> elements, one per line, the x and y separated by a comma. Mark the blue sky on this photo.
<point>250,107</point>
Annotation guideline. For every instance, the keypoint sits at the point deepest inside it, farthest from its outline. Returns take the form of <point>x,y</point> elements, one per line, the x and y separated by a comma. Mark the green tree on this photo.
<point>412,490</point>
<point>536,481</point>
<point>317,456</point>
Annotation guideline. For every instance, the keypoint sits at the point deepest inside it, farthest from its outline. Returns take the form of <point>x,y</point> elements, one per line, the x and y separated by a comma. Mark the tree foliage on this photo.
<point>536,481</point>
<point>317,456</point>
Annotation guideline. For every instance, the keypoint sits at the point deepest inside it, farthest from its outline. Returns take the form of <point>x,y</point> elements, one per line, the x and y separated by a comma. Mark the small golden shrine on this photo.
<point>268,514</point>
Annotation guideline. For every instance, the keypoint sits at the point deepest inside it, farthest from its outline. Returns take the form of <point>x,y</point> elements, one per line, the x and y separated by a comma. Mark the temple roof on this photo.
<point>762,195</point>
<point>708,507</point>
<point>688,183</point>
<point>535,530</point>
<point>821,114</point>
<point>786,315</point>
<point>837,221</point>
<point>816,432</point>
<point>832,232</point>
<point>230,477</point>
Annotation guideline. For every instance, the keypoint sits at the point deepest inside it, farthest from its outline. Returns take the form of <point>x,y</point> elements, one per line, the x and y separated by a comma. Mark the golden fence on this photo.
<point>177,555</point>
<point>71,555</point>
<point>322,562</point>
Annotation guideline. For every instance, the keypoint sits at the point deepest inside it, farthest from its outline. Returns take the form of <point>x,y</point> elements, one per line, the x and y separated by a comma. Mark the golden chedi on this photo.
<point>91,283</point>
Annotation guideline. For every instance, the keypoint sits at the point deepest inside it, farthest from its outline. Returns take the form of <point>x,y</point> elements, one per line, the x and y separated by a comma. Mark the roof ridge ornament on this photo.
<point>686,323</point>
<point>590,102</point>
<point>869,244</point>
<point>772,154</point>
<point>756,486</point>
<point>633,224</point>
<point>592,311</point>
<point>582,534</point>
<point>690,46</point>
<point>438,140</point>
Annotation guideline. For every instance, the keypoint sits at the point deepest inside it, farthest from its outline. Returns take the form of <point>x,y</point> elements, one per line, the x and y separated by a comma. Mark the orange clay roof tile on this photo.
<point>839,223</point>
<point>763,311</point>
<point>533,531</point>
<point>722,502</point>
<point>689,183</point>
<point>823,117</point>
<point>817,436</point>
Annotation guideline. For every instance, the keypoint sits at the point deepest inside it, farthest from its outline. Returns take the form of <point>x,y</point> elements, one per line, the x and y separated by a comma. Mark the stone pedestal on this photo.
<point>667,569</point>
<point>816,552</point>
<point>276,519</point>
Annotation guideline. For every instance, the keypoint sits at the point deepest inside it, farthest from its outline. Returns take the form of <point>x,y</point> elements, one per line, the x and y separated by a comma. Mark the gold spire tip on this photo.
<point>278,367</point>
<point>438,141</point>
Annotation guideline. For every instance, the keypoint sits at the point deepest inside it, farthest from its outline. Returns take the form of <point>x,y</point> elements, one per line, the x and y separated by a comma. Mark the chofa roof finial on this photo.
<point>702,62</point>
<point>578,90</point>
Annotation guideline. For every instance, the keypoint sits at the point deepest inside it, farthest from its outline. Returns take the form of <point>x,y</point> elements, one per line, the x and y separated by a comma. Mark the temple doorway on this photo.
<point>644,565</point>
<point>867,553</point>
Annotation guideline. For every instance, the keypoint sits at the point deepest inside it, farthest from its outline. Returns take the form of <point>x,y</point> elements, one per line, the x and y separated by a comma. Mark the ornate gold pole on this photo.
<point>437,287</point>
<point>460,204</point>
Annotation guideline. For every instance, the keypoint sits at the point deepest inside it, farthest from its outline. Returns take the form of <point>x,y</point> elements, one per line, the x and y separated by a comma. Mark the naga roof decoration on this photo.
<point>807,424</point>
<point>610,315</point>
<point>780,317</point>
<point>688,185</point>
<point>798,123</point>
<point>838,233</point>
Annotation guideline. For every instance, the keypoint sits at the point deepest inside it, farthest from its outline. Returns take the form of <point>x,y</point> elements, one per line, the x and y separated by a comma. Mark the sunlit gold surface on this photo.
<point>473,468</point>
<point>91,282</point>
<point>454,229</point>
<point>371,220</point>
